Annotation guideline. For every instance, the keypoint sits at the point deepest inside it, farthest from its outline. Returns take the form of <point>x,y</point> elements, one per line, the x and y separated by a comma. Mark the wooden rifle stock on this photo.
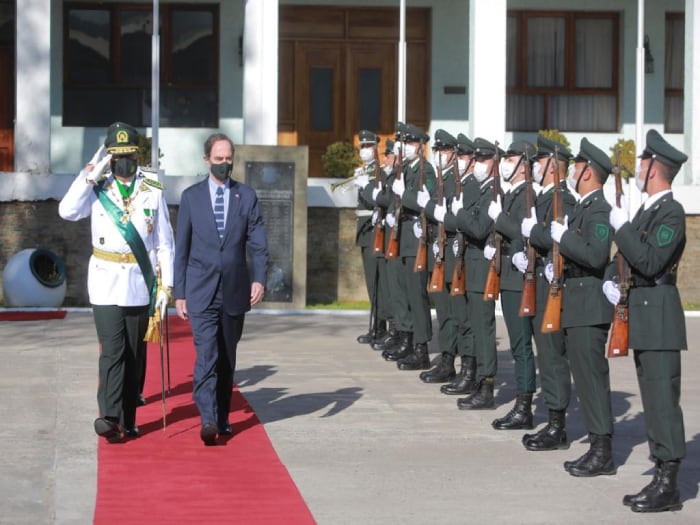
<point>618,343</point>
<point>378,241</point>
<point>392,249</point>
<point>551,321</point>
<point>421,263</point>
<point>493,279</point>
<point>437,279</point>
<point>528,299</point>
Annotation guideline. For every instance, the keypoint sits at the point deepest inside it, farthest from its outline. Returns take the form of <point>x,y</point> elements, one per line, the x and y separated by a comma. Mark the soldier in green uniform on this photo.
<point>465,380</point>
<point>507,217</point>
<point>367,215</point>
<point>653,244</point>
<point>454,332</point>
<point>407,188</point>
<point>555,376</point>
<point>472,218</point>
<point>584,242</point>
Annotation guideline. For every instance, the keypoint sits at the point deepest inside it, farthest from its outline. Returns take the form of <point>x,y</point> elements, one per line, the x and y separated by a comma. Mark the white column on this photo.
<point>487,69</point>
<point>691,93</point>
<point>260,60</point>
<point>33,87</point>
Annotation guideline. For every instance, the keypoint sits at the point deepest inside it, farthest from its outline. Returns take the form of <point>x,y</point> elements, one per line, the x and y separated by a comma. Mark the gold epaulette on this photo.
<point>154,183</point>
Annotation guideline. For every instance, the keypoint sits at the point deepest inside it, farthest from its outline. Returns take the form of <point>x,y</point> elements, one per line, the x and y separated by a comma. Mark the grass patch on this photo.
<point>691,306</point>
<point>340,305</point>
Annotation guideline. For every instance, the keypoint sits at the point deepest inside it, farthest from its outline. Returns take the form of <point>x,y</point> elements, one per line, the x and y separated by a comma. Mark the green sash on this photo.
<point>133,239</point>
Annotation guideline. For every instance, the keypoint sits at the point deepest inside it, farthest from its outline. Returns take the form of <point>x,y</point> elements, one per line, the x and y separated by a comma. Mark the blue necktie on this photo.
<point>219,211</point>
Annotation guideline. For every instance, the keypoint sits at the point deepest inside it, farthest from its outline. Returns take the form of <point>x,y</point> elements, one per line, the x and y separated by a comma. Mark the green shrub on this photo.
<point>340,160</point>
<point>628,154</point>
<point>145,151</point>
<point>556,136</point>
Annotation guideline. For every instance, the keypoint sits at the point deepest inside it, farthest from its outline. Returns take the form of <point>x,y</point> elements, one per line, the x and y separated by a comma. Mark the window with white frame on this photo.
<point>107,64</point>
<point>673,73</point>
<point>562,71</point>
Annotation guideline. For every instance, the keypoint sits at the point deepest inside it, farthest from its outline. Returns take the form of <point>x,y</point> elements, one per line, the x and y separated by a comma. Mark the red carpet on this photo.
<point>171,477</point>
<point>31,315</point>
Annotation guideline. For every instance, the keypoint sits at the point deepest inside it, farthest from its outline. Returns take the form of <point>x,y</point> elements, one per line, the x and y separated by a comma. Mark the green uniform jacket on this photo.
<point>449,186</point>
<point>508,225</point>
<point>409,204</point>
<point>586,250</point>
<point>653,244</point>
<point>540,236</point>
<point>364,235</point>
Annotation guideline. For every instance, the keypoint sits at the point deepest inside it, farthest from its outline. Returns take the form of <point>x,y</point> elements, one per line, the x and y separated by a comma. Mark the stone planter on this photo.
<point>34,277</point>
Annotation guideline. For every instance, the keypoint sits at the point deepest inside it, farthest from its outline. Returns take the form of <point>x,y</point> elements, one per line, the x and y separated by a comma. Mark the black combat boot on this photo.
<point>552,436</point>
<point>390,339</point>
<point>661,494</point>
<point>368,338</point>
<point>598,461</point>
<point>418,360</point>
<point>519,417</point>
<point>481,399</point>
<point>465,382</point>
<point>403,349</point>
<point>442,372</point>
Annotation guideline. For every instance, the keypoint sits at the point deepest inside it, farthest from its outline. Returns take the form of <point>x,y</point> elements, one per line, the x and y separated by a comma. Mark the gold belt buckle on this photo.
<point>124,257</point>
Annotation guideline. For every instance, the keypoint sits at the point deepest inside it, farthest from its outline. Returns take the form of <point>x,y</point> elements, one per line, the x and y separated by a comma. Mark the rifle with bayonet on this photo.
<point>618,344</point>
<point>421,264</point>
<point>379,212</point>
<point>437,279</point>
<point>527,301</point>
<point>392,249</point>
<point>459,281</point>
<point>551,321</point>
<point>493,279</point>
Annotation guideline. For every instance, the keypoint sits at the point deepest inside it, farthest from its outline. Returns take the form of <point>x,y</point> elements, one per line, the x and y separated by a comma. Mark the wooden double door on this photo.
<point>7,84</point>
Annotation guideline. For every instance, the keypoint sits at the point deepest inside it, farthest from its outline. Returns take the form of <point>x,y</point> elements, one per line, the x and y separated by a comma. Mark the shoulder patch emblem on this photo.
<point>601,232</point>
<point>153,183</point>
<point>664,235</point>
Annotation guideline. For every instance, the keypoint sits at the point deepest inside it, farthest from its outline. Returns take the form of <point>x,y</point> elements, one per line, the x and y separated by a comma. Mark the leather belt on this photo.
<point>114,257</point>
<point>667,278</point>
<point>408,217</point>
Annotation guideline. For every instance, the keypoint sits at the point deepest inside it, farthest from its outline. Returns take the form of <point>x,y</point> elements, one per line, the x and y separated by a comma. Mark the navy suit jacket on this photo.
<point>202,259</point>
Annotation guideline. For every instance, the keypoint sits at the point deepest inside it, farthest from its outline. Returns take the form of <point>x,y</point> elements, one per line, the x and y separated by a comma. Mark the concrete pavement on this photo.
<point>365,442</point>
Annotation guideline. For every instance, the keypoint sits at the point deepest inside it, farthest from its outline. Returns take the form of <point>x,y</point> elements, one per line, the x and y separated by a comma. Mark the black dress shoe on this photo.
<point>208,434</point>
<point>225,429</point>
<point>131,432</point>
<point>140,401</point>
<point>108,429</point>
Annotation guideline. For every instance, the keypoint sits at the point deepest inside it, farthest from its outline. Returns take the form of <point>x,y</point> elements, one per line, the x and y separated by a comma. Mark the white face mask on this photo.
<point>367,155</point>
<point>571,180</point>
<point>537,173</point>
<point>462,166</point>
<point>387,170</point>
<point>397,148</point>
<point>506,169</point>
<point>638,180</point>
<point>410,152</point>
<point>443,160</point>
<point>481,171</point>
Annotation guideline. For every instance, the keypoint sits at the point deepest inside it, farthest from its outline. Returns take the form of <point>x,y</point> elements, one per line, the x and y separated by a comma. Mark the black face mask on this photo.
<point>222,171</point>
<point>125,167</point>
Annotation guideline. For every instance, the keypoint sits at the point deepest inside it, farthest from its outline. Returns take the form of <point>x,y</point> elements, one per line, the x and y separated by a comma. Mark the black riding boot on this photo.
<point>402,350</point>
<point>418,360</point>
<point>550,437</point>
<point>465,382</point>
<point>368,338</point>
<point>442,372</point>
<point>661,494</point>
<point>390,339</point>
<point>598,461</point>
<point>519,417</point>
<point>481,399</point>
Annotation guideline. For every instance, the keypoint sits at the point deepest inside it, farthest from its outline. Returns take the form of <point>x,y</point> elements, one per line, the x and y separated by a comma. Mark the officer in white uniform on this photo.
<point>132,242</point>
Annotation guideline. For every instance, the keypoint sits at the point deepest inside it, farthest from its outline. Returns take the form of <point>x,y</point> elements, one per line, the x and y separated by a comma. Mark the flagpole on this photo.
<point>155,84</point>
<point>635,196</point>
<point>401,110</point>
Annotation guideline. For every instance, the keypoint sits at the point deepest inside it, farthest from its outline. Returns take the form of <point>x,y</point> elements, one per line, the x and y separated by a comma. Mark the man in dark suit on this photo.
<point>219,221</point>
<point>653,244</point>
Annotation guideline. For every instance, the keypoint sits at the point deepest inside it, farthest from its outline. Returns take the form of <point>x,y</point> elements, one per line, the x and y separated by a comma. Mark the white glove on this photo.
<point>423,197</point>
<point>162,300</point>
<point>417,229</point>
<point>457,204</point>
<point>489,251</point>
<point>440,211</point>
<point>361,181</point>
<point>557,230</point>
<point>99,155</point>
<point>611,291</point>
<point>398,187</point>
<point>390,220</point>
<point>549,272</point>
<point>97,172</point>
<point>495,208</point>
<point>618,217</point>
<point>528,223</point>
<point>375,217</point>
<point>376,191</point>
<point>520,261</point>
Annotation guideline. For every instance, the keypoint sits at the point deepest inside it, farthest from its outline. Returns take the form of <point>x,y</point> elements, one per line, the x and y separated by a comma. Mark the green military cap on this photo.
<point>443,140</point>
<point>400,131</point>
<point>595,157</point>
<point>415,134</point>
<point>367,137</point>
<point>483,148</point>
<point>389,147</point>
<point>464,145</point>
<point>546,148</point>
<point>121,139</point>
<point>662,151</point>
<point>521,148</point>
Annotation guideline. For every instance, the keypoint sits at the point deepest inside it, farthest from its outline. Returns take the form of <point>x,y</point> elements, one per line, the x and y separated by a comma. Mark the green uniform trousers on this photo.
<point>585,346</point>
<point>482,316</point>
<point>659,377</point>
<point>377,282</point>
<point>419,304</point>
<point>454,329</point>
<point>120,331</point>
<point>520,338</point>
<point>399,295</point>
